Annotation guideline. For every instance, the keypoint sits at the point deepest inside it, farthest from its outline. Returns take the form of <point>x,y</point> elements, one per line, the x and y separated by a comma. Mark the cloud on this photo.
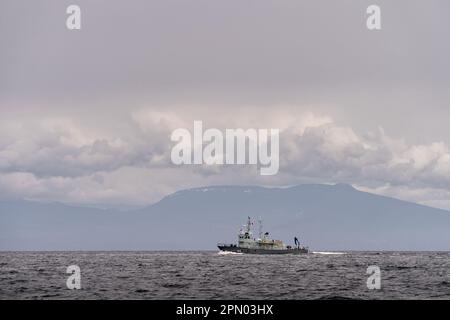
<point>339,153</point>
<point>70,129</point>
<point>59,147</point>
<point>66,160</point>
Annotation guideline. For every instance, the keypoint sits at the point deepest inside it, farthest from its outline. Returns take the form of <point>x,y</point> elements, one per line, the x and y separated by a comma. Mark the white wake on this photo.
<point>228,252</point>
<point>325,252</point>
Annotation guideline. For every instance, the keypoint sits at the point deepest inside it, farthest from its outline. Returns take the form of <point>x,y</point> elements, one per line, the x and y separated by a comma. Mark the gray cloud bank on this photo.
<point>62,159</point>
<point>86,115</point>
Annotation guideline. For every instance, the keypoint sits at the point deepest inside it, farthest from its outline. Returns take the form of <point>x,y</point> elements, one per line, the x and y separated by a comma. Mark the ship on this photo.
<point>261,245</point>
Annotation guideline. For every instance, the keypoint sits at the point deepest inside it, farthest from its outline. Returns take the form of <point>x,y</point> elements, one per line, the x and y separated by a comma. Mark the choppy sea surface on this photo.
<point>211,275</point>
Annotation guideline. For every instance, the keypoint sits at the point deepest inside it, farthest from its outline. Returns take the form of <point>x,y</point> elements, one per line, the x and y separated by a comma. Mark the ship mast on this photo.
<point>260,227</point>
<point>249,223</point>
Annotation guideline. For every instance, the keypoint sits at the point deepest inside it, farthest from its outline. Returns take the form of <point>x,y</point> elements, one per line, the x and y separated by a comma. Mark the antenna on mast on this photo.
<point>260,227</point>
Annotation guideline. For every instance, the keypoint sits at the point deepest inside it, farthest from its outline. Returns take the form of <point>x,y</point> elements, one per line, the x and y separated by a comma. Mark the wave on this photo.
<point>326,252</point>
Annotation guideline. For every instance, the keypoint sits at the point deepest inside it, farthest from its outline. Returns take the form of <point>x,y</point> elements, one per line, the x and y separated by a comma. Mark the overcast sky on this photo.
<point>86,115</point>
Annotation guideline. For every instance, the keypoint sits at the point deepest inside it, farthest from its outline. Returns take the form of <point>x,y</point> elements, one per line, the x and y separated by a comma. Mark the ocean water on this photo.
<point>211,275</point>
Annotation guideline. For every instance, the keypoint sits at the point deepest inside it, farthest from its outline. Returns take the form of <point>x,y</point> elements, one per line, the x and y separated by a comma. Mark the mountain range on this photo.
<point>324,217</point>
